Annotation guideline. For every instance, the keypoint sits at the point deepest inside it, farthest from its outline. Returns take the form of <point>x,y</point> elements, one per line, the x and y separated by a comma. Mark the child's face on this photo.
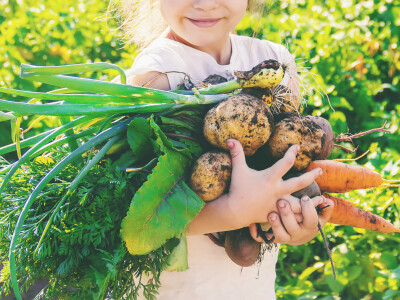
<point>203,23</point>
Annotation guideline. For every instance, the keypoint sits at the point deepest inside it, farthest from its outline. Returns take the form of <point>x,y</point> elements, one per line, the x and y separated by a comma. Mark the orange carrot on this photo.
<point>339,177</point>
<point>345,213</point>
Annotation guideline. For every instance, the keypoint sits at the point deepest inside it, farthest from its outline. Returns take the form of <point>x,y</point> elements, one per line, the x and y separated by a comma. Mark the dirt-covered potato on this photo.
<point>327,128</point>
<point>264,94</point>
<point>211,175</point>
<point>242,117</point>
<point>241,248</point>
<point>301,131</point>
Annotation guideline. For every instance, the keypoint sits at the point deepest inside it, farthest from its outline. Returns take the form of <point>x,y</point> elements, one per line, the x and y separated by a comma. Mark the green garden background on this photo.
<point>349,57</point>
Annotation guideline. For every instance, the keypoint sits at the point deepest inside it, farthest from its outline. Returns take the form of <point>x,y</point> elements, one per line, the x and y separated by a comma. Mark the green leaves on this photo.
<point>164,205</point>
<point>177,261</point>
<point>138,136</point>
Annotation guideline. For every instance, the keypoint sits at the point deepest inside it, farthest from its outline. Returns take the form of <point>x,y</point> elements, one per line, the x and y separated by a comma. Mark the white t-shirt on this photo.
<point>165,55</point>
<point>211,274</point>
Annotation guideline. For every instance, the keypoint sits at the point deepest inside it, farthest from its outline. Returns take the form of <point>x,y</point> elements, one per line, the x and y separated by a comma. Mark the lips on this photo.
<point>204,23</point>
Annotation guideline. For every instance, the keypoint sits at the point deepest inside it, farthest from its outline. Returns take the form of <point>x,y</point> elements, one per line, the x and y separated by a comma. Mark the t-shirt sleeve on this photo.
<point>143,63</point>
<point>158,60</point>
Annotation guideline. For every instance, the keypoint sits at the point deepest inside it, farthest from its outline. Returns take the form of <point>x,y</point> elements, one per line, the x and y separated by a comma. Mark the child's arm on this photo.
<point>153,79</point>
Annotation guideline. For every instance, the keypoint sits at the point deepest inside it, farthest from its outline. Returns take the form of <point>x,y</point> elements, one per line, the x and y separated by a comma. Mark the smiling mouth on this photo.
<point>204,23</point>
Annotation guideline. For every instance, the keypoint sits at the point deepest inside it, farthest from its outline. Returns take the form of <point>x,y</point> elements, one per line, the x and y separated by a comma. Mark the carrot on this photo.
<point>345,213</point>
<point>339,177</point>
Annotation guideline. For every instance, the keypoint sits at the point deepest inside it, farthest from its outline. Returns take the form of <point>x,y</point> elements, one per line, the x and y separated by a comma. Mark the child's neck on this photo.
<point>221,51</point>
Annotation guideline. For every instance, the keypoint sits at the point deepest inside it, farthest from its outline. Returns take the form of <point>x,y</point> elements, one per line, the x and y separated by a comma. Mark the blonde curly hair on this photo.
<point>141,21</point>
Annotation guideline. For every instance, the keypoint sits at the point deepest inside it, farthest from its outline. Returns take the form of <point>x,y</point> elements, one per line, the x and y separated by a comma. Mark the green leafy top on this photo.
<point>164,205</point>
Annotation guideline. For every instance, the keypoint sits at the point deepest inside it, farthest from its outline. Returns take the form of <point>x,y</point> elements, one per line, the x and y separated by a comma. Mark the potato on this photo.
<point>241,248</point>
<point>327,128</point>
<point>211,175</point>
<point>297,130</point>
<point>264,94</point>
<point>242,117</point>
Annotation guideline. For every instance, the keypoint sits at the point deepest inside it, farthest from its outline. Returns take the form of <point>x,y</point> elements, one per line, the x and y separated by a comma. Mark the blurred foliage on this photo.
<point>54,33</point>
<point>346,49</point>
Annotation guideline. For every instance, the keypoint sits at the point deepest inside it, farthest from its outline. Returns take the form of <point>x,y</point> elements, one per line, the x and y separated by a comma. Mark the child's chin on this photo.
<point>202,41</point>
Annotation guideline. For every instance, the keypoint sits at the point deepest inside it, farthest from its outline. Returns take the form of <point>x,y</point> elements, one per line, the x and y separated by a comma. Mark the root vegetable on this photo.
<point>263,94</point>
<point>345,213</point>
<point>297,130</point>
<point>211,175</point>
<point>241,248</point>
<point>242,117</point>
<point>329,142</point>
<point>339,177</point>
<point>311,191</point>
<point>267,74</point>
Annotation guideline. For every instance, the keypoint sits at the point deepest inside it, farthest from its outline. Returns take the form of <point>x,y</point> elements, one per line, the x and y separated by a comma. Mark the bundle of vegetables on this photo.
<point>315,137</point>
<point>99,205</point>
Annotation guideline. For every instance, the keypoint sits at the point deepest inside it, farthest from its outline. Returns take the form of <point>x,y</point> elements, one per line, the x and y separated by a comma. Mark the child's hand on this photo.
<point>286,226</point>
<point>254,194</point>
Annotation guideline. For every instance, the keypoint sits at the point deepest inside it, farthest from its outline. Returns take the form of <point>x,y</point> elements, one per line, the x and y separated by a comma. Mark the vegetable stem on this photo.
<point>29,70</point>
<point>78,98</point>
<point>53,134</point>
<point>221,88</point>
<point>59,109</point>
<point>109,88</point>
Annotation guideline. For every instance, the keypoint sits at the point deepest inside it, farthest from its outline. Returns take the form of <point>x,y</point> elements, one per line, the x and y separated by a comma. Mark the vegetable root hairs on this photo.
<point>349,138</point>
<point>301,73</point>
<point>352,159</point>
<point>264,248</point>
<point>297,83</point>
<point>281,96</point>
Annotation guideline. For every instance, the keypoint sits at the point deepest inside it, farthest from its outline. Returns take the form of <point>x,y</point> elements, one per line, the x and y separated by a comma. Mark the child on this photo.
<point>194,38</point>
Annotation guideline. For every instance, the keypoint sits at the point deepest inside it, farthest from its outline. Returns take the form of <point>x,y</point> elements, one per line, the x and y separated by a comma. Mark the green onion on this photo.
<point>53,134</point>
<point>62,141</point>
<point>30,70</point>
<point>62,109</point>
<point>76,98</point>
<point>108,88</point>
